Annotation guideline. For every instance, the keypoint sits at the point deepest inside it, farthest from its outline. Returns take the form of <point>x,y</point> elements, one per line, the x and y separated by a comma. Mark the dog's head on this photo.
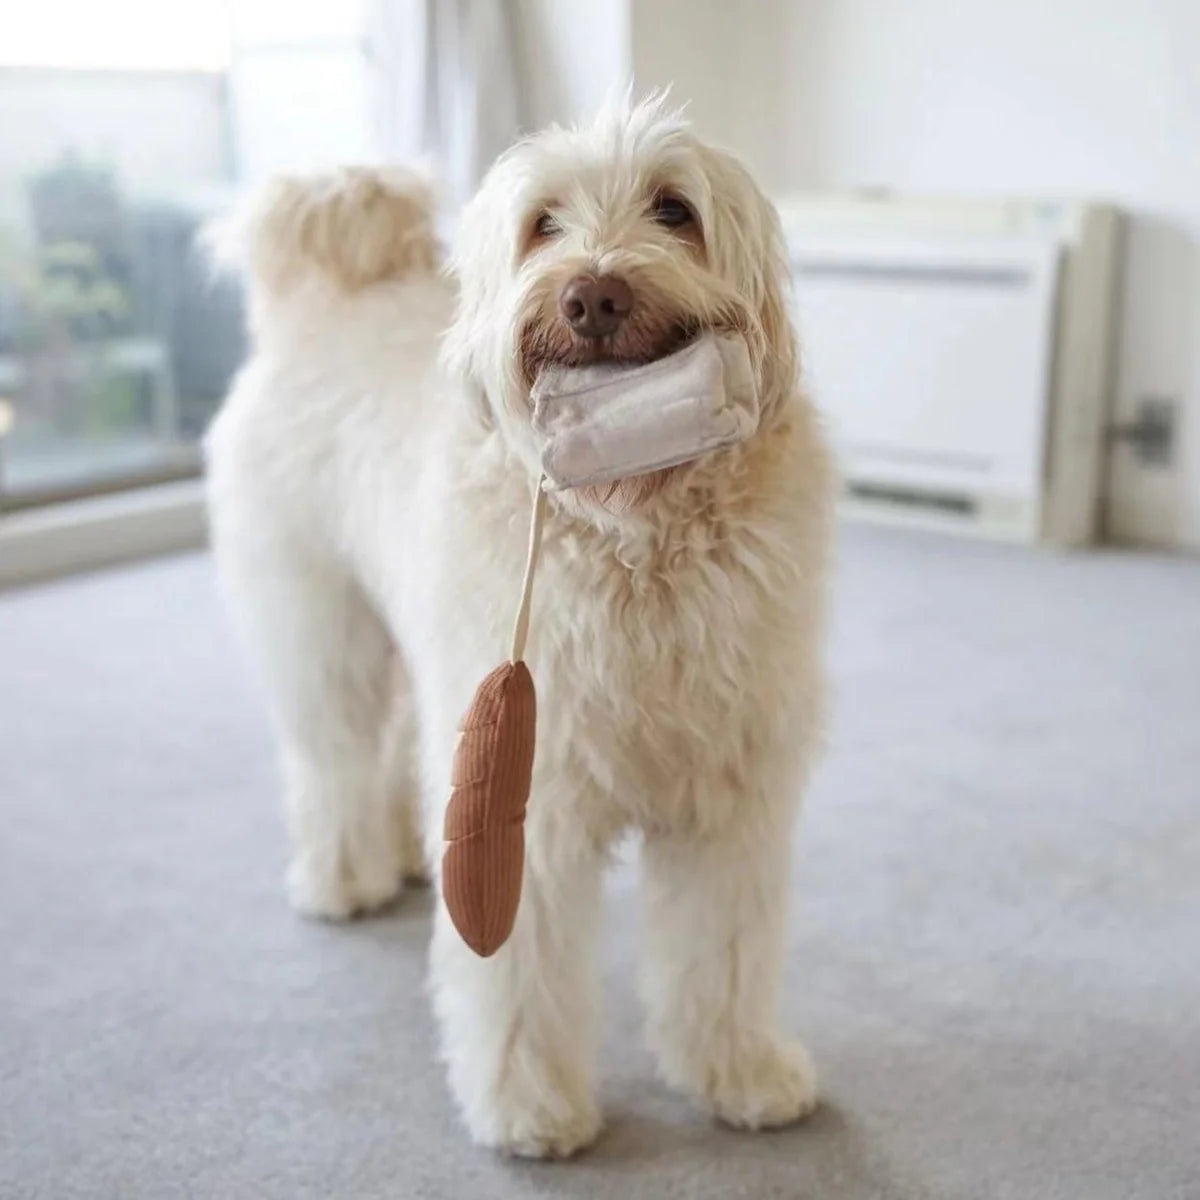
<point>618,242</point>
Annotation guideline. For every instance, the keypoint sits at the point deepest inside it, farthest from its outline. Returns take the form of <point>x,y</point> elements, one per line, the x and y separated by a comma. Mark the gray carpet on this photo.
<point>996,955</point>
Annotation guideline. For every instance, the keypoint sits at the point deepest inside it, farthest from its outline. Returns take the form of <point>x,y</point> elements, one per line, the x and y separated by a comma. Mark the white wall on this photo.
<point>1083,97</point>
<point>571,57</point>
<point>727,62</point>
<point>1097,98</point>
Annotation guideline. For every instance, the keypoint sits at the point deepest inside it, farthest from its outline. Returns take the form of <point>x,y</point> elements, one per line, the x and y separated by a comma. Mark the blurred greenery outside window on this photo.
<point>116,346</point>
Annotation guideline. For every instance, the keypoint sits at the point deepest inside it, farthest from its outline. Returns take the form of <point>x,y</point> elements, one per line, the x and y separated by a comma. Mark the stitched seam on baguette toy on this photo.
<point>463,729</point>
<point>488,733</point>
<point>519,819</point>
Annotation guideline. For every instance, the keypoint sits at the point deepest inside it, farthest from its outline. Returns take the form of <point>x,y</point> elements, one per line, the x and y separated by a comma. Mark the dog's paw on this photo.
<point>556,1125</point>
<point>337,895</point>
<point>764,1088</point>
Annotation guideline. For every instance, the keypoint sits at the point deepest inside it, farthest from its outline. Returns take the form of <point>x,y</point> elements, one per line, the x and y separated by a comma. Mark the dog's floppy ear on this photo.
<point>745,244</point>
<point>481,256</point>
<point>353,227</point>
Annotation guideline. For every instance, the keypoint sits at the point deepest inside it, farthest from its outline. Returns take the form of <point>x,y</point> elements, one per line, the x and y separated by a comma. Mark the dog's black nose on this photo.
<point>595,306</point>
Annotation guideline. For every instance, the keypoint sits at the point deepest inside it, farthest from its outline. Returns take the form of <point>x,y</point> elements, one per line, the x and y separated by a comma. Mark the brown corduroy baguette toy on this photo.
<point>598,424</point>
<point>492,771</point>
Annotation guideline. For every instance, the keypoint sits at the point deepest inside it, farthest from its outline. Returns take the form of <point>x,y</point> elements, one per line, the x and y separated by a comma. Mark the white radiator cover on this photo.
<point>960,351</point>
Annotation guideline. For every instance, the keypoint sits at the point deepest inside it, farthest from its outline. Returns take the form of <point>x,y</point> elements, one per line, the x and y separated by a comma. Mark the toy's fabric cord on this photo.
<point>521,626</point>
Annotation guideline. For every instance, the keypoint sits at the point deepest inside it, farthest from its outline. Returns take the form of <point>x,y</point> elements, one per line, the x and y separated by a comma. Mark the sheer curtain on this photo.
<point>443,85</point>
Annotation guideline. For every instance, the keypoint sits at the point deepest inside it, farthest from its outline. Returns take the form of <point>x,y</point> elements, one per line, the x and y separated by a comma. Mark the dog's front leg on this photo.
<point>519,1028</point>
<point>716,912</point>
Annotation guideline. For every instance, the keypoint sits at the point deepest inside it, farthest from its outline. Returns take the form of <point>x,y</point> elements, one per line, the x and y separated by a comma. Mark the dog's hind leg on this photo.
<point>402,779</point>
<point>327,661</point>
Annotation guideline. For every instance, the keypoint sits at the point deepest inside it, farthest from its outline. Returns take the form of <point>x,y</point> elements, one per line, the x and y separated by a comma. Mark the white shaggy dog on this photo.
<point>369,509</point>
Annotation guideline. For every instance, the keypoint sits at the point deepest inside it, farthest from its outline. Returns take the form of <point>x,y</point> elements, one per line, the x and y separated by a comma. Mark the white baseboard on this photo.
<point>85,534</point>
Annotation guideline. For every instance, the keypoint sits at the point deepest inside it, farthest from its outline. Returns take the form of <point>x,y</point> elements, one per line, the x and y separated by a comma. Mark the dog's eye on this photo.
<point>670,211</point>
<point>546,226</point>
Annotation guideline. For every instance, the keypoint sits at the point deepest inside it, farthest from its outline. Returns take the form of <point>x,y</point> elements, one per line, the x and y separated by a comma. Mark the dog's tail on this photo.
<point>349,229</point>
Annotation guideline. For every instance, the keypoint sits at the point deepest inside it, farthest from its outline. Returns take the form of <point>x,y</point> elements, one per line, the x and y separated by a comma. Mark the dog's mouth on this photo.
<point>637,342</point>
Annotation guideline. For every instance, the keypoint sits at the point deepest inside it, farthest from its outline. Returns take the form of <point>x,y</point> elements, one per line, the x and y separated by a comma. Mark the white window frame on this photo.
<point>100,531</point>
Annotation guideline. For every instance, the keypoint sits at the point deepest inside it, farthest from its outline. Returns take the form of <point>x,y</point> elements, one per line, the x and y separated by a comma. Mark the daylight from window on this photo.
<point>115,147</point>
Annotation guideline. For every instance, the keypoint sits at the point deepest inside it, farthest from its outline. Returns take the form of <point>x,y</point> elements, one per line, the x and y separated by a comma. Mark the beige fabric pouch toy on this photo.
<point>607,422</point>
<point>598,425</point>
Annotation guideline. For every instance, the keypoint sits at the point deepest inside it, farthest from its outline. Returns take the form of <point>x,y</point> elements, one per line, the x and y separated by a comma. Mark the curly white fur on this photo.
<point>369,507</point>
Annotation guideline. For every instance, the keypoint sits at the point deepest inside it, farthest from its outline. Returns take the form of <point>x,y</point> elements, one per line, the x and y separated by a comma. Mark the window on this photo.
<point>124,126</point>
<point>115,347</point>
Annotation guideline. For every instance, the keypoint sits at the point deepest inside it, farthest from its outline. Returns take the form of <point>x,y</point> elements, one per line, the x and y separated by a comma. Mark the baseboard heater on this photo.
<point>912,499</point>
<point>961,353</point>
